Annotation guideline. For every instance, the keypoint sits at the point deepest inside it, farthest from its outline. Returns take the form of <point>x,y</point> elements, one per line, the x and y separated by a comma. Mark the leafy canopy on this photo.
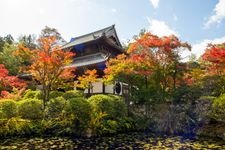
<point>7,82</point>
<point>215,55</point>
<point>48,65</point>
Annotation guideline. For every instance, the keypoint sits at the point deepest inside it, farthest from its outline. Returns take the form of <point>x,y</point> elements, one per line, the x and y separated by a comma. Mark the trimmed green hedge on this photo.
<point>109,114</point>
<point>72,94</point>
<point>55,107</point>
<point>120,107</point>
<point>81,110</point>
<point>32,94</point>
<point>102,103</point>
<point>66,113</point>
<point>8,108</point>
<point>16,126</point>
<point>31,109</point>
<point>55,94</point>
<point>113,106</point>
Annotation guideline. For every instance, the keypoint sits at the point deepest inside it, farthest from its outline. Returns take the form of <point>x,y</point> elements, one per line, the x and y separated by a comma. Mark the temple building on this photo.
<point>92,51</point>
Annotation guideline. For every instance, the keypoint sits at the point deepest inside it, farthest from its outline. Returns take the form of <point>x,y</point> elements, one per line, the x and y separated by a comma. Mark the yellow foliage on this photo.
<point>87,78</point>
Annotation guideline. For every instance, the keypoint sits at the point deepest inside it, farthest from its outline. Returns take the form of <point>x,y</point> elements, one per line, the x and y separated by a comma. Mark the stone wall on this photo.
<point>181,119</point>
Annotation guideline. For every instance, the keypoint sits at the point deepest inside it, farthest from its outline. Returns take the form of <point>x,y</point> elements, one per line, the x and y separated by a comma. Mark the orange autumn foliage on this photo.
<point>86,80</point>
<point>48,64</point>
<point>147,54</point>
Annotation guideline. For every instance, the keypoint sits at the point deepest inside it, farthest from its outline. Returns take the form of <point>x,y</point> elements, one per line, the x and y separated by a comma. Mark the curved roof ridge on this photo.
<point>101,30</point>
<point>91,36</point>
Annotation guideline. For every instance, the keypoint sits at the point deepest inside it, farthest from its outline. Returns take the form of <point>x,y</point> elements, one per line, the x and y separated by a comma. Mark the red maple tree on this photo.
<point>147,55</point>
<point>215,55</point>
<point>7,82</point>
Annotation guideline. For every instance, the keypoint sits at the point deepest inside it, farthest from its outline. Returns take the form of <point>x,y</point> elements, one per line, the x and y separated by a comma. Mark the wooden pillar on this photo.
<point>103,88</point>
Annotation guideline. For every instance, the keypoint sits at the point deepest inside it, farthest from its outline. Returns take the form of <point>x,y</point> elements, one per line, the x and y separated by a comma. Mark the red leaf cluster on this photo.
<point>8,82</point>
<point>215,54</point>
<point>147,54</point>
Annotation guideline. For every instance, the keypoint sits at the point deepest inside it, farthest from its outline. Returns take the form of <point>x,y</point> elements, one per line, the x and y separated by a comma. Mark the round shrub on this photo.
<point>109,114</point>
<point>31,109</point>
<point>113,106</point>
<point>120,107</point>
<point>8,108</point>
<point>55,107</point>
<point>32,94</point>
<point>54,94</point>
<point>102,103</point>
<point>218,108</point>
<point>16,126</point>
<point>72,94</point>
<point>81,109</point>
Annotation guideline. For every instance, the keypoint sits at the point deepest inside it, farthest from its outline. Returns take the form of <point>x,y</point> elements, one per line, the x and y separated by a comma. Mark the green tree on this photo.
<point>7,39</point>
<point>52,32</point>
<point>28,41</point>
<point>10,61</point>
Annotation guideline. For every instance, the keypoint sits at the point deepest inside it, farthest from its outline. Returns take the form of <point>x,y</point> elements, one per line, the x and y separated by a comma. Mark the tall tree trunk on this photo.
<point>45,94</point>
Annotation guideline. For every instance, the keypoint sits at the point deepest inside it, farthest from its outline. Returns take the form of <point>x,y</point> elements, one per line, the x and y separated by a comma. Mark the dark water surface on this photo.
<point>122,141</point>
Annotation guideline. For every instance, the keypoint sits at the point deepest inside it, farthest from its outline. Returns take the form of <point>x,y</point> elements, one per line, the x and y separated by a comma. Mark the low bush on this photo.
<point>113,106</point>
<point>31,109</point>
<point>110,126</point>
<point>15,126</point>
<point>213,85</point>
<point>109,112</point>
<point>55,94</point>
<point>102,103</point>
<point>126,124</point>
<point>218,108</point>
<point>32,94</point>
<point>186,94</point>
<point>55,107</point>
<point>72,94</point>
<point>96,123</point>
<point>81,110</point>
<point>120,107</point>
<point>8,108</point>
<point>71,114</point>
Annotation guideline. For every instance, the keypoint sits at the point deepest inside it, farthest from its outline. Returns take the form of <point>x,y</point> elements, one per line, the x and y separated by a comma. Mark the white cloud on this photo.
<point>70,17</point>
<point>199,48</point>
<point>219,14</point>
<point>155,3</point>
<point>160,28</point>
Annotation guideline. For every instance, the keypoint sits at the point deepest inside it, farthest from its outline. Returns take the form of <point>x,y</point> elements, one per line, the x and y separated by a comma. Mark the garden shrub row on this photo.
<point>65,113</point>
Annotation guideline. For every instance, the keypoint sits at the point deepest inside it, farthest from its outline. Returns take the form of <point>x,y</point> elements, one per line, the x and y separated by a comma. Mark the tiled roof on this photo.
<point>89,59</point>
<point>107,32</point>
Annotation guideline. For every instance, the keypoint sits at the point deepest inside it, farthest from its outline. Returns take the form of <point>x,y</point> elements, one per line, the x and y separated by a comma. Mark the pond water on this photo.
<point>121,141</point>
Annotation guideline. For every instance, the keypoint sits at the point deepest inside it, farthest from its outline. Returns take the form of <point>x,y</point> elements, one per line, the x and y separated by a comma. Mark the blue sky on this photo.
<point>196,21</point>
